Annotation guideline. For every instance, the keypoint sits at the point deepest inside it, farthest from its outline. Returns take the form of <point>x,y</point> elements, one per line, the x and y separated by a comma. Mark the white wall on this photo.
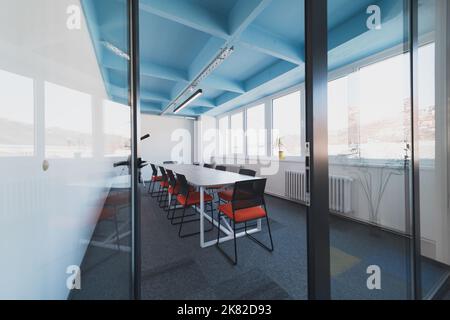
<point>47,216</point>
<point>171,138</point>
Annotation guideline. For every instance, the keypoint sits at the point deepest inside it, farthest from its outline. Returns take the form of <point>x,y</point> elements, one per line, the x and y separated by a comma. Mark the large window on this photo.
<point>384,108</point>
<point>256,131</point>
<point>223,136</point>
<point>339,118</point>
<point>369,111</point>
<point>237,133</point>
<point>286,124</point>
<point>68,122</point>
<point>117,128</point>
<point>16,115</point>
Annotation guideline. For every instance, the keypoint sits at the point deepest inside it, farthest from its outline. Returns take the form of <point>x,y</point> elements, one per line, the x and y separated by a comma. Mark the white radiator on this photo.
<point>340,190</point>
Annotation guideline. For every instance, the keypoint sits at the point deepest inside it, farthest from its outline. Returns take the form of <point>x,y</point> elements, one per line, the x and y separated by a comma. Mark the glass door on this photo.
<point>369,133</point>
<point>433,96</point>
<point>65,138</point>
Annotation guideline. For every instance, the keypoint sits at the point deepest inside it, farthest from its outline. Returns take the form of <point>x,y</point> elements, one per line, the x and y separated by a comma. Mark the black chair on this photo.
<point>170,162</point>
<point>154,180</point>
<point>188,198</point>
<point>164,186</point>
<point>174,191</point>
<point>221,168</point>
<point>196,164</point>
<point>209,166</point>
<point>247,204</point>
<point>247,172</point>
<point>227,194</point>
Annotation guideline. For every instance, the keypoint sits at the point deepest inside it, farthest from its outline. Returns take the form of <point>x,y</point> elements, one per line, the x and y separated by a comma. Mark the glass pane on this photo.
<point>64,208</point>
<point>256,131</point>
<point>369,116</point>
<point>17,133</point>
<point>223,136</point>
<point>286,125</point>
<point>434,97</point>
<point>237,133</point>
<point>267,59</point>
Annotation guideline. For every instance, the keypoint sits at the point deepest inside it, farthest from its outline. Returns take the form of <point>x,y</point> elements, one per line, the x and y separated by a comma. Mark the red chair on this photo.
<point>247,204</point>
<point>187,198</point>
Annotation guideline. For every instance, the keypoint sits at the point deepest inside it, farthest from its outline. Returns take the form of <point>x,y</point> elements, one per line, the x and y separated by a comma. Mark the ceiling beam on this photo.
<point>347,30</point>
<point>243,13</point>
<point>221,83</point>
<point>188,14</point>
<point>337,36</point>
<point>261,40</point>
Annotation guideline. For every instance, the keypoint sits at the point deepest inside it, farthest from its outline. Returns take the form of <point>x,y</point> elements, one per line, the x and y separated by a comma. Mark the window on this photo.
<point>286,124</point>
<point>117,128</point>
<point>237,133</point>
<point>369,110</point>
<point>68,122</point>
<point>339,118</point>
<point>16,115</point>
<point>384,108</point>
<point>427,95</point>
<point>223,136</point>
<point>256,133</point>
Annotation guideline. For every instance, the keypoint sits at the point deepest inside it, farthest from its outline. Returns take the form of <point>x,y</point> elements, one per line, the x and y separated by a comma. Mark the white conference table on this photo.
<point>204,178</point>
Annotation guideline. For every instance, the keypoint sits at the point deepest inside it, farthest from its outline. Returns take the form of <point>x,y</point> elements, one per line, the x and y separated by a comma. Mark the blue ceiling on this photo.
<point>180,38</point>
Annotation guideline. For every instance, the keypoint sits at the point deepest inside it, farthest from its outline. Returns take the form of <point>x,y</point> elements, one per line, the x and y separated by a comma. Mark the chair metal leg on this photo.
<point>117,229</point>
<point>270,249</point>
<point>233,261</point>
<point>193,233</point>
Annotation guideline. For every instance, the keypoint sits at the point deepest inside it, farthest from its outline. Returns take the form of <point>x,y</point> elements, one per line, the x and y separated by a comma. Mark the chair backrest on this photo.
<point>163,173</point>
<point>196,164</point>
<point>183,185</point>
<point>248,194</point>
<point>221,168</point>
<point>169,162</point>
<point>247,172</point>
<point>171,178</point>
<point>154,170</point>
<point>206,165</point>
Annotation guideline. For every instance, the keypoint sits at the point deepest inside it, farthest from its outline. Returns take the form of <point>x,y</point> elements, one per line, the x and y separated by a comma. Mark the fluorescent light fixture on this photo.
<point>221,57</point>
<point>224,54</point>
<point>197,94</point>
<point>115,50</point>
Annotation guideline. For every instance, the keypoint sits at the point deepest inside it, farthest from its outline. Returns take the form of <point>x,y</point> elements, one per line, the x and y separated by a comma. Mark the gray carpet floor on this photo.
<point>174,268</point>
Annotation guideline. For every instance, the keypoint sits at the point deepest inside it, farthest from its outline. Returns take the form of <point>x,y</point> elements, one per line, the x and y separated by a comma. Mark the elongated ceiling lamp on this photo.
<point>197,94</point>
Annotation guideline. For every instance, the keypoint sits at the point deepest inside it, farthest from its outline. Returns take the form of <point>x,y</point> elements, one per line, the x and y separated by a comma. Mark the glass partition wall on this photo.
<point>433,93</point>
<point>382,246</point>
<point>65,208</point>
<point>251,113</point>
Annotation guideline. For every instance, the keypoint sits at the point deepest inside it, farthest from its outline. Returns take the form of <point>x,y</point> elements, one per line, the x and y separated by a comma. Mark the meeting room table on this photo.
<point>203,178</point>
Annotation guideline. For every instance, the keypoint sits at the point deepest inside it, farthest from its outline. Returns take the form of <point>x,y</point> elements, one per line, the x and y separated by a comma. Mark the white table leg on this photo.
<point>202,213</point>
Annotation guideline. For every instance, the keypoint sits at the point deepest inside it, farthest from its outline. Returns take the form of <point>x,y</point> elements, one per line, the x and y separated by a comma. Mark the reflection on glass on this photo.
<point>369,117</point>
<point>16,115</point>
<point>68,122</point>
<point>286,124</point>
<point>434,98</point>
